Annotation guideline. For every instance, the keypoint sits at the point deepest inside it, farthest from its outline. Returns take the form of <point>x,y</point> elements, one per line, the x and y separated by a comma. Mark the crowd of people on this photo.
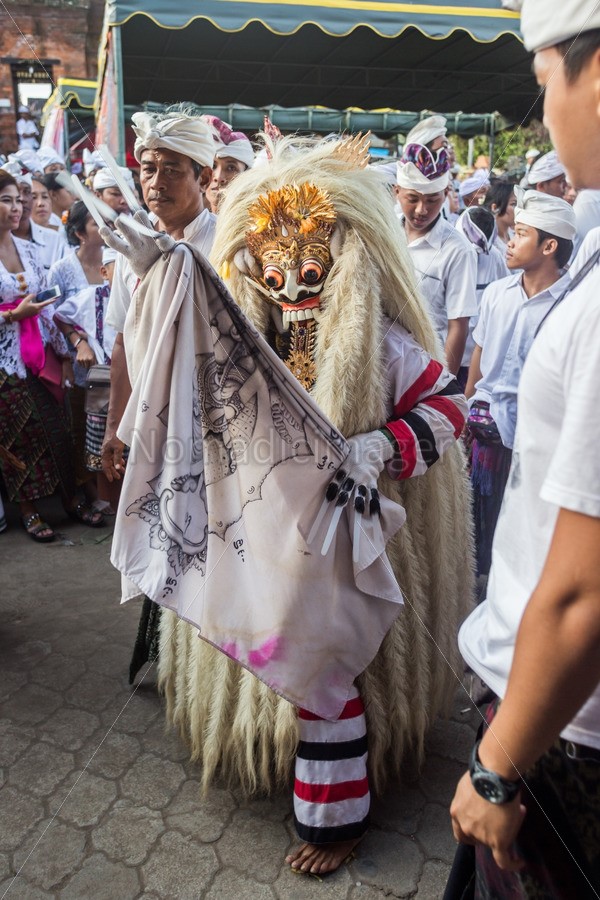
<point>443,326</point>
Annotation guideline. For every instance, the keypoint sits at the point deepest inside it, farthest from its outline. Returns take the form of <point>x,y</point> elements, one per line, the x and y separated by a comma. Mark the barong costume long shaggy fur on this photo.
<point>232,722</point>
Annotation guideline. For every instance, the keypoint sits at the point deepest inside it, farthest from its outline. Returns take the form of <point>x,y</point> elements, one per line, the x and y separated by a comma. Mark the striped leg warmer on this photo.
<point>331,789</point>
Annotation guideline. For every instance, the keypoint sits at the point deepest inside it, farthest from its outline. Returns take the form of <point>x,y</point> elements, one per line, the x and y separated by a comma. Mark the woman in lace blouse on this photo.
<point>36,450</point>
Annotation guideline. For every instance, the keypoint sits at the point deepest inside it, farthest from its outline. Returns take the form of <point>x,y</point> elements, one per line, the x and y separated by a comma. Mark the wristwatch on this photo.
<point>490,785</point>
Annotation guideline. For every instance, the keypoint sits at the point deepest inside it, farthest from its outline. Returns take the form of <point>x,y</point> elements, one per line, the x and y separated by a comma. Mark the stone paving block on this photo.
<point>139,711</point>
<point>435,833</point>
<point>69,728</point>
<point>5,867</point>
<point>18,814</point>
<point>452,740</point>
<point>203,817</point>
<point>229,884</point>
<point>93,692</point>
<point>83,799</point>
<point>440,777</point>
<point>292,886</point>
<point>110,659</point>
<point>164,740</point>
<point>179,868</point>
<point>31,705</point>
<point>433,880</point>
<point>110,755</point>
<point>30,653</point>
<point>362,891</point>
<point>388,861</point>
<point>399,809</point>
<point>254,845</point>
<point>58,672</point>
<point>78,643</point>
<point>152,781</point>
<point>10,682</point>
<point>275,809</point>
<point>50,853</point>
<point>128,832</point>
<point>100,879</point>
<point>13,742</point>
<point>40,769</point>
<point>20,889</point>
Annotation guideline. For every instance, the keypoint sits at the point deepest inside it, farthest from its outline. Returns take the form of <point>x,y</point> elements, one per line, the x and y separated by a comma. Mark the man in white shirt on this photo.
<point>548,175</point>
<point>445,262</point>
<point>531,801</point>
<point>27,130</point>
<point>105,186</point>
<point>176,154</point>
<point>511,312</point>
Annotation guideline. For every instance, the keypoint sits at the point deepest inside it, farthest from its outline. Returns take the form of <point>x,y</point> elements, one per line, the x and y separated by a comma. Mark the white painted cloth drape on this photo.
<point>228,467</point>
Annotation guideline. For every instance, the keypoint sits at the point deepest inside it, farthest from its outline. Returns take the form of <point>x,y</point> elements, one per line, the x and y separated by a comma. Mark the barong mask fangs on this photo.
<point>290,238</point>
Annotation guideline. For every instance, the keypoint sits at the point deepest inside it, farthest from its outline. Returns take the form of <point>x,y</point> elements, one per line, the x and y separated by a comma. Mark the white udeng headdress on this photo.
<point>545,168</point>
<point>545,23</point>
<point>545,212</point>
<point>188,135</point>
<point>105,179</point>
<point>427,130</point>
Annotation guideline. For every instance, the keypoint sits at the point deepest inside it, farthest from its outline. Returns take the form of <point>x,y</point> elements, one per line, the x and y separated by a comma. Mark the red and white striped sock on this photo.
<point>331,789</point>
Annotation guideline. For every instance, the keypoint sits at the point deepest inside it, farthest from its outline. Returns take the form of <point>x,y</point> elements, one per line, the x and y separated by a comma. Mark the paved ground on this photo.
<point>98,801</point>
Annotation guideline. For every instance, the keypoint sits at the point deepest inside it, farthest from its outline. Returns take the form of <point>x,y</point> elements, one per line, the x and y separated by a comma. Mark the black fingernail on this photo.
<point>362,490</point>
<point>343,498</point>
<point>374,505</point>
<point>332,491</point>
<point>348,484</point>
<point>359,504</point>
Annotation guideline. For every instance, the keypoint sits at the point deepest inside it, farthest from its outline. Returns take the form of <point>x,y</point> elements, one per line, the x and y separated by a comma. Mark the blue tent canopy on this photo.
<point>339,54</point>
<point>484,20</point>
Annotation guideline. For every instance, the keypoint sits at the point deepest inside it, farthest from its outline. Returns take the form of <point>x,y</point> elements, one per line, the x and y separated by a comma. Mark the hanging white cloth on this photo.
<point>229,462</point>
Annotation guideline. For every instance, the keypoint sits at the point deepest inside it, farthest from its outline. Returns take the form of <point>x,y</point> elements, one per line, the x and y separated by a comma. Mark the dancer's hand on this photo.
<point>359,472</point>
<point>142,245</point>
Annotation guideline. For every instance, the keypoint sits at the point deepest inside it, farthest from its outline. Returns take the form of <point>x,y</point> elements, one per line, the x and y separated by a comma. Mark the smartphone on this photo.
<point>52,293</point>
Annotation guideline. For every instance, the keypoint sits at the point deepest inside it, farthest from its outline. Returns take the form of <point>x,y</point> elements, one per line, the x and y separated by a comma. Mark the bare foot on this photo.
<point>321,859</point>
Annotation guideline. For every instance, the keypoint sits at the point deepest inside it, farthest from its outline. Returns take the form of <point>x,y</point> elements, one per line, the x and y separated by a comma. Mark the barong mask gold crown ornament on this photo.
<point>290,238</point>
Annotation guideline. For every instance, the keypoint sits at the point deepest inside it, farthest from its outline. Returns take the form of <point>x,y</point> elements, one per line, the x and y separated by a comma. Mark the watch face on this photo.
<point>489,788</point>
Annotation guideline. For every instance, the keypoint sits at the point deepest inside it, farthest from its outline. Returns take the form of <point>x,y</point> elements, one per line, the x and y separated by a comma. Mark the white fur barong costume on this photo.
<point>232,721</point>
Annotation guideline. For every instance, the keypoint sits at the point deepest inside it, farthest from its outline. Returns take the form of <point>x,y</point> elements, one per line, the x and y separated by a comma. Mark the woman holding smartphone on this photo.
<point>36,450</point>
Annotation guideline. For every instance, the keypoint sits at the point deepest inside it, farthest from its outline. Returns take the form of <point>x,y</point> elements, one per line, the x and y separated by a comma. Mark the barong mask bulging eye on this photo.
<point>290,239</point>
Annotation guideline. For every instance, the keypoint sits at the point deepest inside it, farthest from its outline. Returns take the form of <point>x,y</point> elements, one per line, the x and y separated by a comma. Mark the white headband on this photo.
<point>479,179</point>
<point>105,179</point>
<point>240,150</point>
<point>545,168</point>
<point>49,156</point>
<point>183,134</point>
<point>545,23</point>
<point>408,176</point>
<point>545,212</point>
<point>427,130</point>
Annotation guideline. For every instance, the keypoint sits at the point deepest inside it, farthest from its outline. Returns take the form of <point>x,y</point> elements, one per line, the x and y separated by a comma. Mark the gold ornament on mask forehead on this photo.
<point>290,215</point>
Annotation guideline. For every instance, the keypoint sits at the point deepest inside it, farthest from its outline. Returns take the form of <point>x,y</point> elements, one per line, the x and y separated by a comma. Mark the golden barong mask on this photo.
<point>290,239</point>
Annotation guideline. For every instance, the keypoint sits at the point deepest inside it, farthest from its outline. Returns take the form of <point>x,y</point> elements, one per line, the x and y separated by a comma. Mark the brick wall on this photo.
<point>64,30</point>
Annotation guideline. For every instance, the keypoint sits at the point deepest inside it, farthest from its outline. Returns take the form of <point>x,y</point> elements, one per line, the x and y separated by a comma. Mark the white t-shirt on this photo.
<point>589,245</point>
<point>446,269</point>
<point>587,214</point>
<point>51,245</point>
<point>556,464</point>
<point>200,232</point>
<point>28,134</point>
<point>490,267</point>
<point>505,331</point>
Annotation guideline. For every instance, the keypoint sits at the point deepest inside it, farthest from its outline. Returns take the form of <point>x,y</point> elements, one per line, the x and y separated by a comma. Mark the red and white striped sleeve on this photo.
<point>429,407</point>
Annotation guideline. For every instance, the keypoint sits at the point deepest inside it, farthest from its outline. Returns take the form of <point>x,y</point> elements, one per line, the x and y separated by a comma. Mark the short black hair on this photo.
<point>563,250</point>
<point>499,193</point>
<point>483,218</point>
<point>78,216</point>
<point>577,52</point>
<point>51,181</point>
